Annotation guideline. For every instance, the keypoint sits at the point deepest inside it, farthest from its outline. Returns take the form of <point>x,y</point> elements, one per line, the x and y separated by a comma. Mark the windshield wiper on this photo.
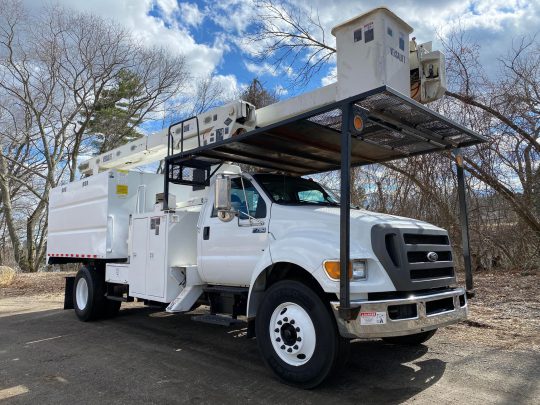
<point>333,204</point>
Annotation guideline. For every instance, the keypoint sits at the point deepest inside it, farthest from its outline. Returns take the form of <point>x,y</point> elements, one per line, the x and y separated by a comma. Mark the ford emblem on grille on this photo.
<point>432,256</point>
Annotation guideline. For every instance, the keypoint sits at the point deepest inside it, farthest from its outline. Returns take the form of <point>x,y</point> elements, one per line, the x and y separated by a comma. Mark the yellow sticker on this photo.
<point>122,189</point>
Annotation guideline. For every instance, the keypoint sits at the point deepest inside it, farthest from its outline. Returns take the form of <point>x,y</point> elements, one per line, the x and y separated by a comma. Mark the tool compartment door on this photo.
<point>157,256</point>
<point>137,273</point>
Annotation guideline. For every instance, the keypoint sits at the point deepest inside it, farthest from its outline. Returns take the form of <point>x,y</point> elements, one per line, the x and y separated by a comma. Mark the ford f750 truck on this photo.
<point>306,271</point>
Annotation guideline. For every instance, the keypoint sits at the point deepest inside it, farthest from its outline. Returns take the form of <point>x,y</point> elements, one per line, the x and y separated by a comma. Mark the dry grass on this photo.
<point>505,313</point>
<point>26,284</point>
<point>7,276</point>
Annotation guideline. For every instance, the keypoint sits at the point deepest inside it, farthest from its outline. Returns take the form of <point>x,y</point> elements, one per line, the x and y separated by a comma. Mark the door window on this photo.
<point>246,201</point>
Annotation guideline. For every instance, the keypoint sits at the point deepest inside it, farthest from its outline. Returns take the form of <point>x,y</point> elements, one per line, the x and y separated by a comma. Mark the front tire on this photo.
<point>411,340</point>
<point>297,334</point>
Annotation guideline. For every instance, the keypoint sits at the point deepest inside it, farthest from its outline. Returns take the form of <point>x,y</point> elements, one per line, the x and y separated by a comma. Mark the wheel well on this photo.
<point>283,271</point>
<point>290,271</point>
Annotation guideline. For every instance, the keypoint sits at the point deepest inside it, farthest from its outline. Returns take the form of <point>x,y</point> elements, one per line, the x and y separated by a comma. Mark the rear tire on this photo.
<point>297,335</point>
<point>89,299</point>
<point>411,340</point>
<point>89,294</point>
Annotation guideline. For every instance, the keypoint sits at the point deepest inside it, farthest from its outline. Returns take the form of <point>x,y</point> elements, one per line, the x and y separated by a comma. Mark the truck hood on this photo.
<point>323,223</point>
<point>329,217</point>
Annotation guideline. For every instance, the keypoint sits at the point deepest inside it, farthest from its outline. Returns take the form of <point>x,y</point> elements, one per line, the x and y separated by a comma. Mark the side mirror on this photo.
<point>222,200</point>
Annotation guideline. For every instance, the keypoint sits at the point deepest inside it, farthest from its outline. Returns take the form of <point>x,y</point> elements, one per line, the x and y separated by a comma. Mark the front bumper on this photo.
<point>405,316</point>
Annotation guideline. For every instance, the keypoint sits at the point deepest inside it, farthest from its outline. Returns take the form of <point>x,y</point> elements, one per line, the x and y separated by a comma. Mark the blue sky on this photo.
<point>210,34</point>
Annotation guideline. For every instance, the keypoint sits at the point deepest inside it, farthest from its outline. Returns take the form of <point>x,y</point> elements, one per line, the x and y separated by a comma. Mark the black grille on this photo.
<point>421,256</point>
<point>404,311</point>
<point>414,258</point>
<point>432,273</point>
<point>423,239</point>
<point>438,306</point>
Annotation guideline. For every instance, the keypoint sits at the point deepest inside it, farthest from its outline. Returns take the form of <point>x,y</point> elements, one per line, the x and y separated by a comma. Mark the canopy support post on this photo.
<point>345,214</point>
<point>464,222</point>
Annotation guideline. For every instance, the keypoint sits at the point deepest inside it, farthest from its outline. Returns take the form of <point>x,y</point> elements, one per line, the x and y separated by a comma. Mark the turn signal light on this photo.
<point>357,269</point>
<point>332,268</point>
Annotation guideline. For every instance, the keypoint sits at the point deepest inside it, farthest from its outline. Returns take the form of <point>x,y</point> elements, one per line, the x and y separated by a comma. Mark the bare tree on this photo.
<point>291,37</point>
<point>53,69</point>
<point>506,171</point>
<point>258,95</point>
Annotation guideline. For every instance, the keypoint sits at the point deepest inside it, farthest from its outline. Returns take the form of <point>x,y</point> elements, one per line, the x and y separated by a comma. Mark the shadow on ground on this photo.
<point>153,357</point>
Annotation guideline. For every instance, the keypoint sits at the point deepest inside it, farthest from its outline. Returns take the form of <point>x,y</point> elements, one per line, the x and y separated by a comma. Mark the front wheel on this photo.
<point>297,335</point>
<point>411,340</point>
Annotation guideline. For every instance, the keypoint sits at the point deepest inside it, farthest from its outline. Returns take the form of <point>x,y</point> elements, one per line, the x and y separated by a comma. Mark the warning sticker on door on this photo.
<point>372,318</point>
<point>122,189</point>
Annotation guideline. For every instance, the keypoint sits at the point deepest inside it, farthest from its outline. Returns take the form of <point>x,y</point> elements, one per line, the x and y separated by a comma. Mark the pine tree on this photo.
<point>113,122</point>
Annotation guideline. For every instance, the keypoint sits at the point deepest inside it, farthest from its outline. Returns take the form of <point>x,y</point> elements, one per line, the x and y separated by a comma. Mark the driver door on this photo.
<point>231,250</point>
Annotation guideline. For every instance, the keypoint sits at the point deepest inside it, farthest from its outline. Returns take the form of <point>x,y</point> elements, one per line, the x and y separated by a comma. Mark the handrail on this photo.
<point>170,136</point>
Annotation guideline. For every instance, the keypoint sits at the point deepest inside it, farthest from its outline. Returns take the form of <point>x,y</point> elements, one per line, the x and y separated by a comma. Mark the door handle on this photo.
<point>206,233</point>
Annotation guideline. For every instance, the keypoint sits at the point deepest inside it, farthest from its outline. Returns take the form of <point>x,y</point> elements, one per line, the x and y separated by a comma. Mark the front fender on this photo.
<point>304,252</point>
<point>309,254</point>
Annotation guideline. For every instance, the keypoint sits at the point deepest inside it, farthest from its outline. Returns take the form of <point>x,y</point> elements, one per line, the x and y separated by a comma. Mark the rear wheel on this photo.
<point>297,335</point>
<point>88,294</point>
<point>89,299</point>
<point>411,340</point>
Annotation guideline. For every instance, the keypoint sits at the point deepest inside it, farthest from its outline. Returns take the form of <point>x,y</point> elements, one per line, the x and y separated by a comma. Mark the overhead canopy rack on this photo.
<point>373,127</point>
<point>394,127</point>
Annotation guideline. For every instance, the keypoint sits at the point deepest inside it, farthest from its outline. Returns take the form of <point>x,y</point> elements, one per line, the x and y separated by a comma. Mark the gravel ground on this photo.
<point>147,356</point>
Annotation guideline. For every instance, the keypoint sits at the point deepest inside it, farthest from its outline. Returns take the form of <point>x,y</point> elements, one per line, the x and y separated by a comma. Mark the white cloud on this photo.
<point>229,85</point>
<point>190,14</point>
<point>331,76</point>
<point>281,91</point>
<point>492,23</point>
<point>232,15</point>
<point>260,69</point>
<point>167,6</point>
<point>165,32</point>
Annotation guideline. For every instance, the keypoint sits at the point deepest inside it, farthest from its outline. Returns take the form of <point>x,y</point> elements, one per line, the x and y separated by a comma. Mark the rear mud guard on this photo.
<point>68,292</point>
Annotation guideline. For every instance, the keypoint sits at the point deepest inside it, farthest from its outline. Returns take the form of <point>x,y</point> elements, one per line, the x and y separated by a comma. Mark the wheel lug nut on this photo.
<point>297,329</point>
<point>285,319</point>
<point>279,322</point>
<point>298,339</point>
<point>278,339</point>
<point>276,330</point>
<point>295,347</point>
<point>282,347</point>
<point>289,350</point>
<point>292,321</point>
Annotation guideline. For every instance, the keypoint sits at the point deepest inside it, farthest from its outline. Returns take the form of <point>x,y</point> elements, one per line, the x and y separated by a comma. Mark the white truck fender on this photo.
<point>302,255</point>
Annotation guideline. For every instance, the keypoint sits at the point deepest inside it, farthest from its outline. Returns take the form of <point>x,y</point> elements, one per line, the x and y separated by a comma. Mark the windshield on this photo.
<point>295,190</point>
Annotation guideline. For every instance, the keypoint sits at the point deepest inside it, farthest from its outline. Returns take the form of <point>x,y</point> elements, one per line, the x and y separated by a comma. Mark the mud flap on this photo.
<point>68,293</point>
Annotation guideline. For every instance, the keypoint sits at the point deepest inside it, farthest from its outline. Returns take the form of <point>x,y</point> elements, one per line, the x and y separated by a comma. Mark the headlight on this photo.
<point>357,269</point>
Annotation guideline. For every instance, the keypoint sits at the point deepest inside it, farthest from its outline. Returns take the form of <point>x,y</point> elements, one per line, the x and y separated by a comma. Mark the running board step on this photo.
<point>225,289</point>
<point>217,320</point>
<point>121,299</point>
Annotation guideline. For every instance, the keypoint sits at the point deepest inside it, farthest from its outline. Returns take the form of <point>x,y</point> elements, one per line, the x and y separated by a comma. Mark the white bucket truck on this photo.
<point>305,270</point>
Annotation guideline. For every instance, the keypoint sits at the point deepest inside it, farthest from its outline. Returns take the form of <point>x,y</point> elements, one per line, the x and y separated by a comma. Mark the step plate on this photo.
<point>217,320</point>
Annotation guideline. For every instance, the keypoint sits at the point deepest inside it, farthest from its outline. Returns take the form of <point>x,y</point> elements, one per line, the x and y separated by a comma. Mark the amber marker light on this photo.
<point>358,123</point>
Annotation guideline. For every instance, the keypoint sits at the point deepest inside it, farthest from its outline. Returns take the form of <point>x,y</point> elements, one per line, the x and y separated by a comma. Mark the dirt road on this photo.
<point>147,356</point>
